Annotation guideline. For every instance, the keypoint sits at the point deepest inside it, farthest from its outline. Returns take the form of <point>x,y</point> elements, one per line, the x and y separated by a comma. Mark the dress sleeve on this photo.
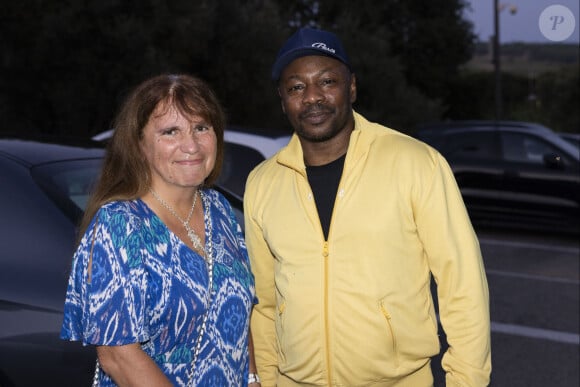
<point>455,260</point>
<point>106,295</point>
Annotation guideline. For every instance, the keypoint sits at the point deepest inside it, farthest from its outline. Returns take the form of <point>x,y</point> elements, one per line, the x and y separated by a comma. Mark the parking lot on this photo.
<point>534,296</point>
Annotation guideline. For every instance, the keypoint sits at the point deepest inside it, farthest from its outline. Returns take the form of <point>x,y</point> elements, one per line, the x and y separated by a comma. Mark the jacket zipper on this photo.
<point>326,254</point>
<point>326,322</point>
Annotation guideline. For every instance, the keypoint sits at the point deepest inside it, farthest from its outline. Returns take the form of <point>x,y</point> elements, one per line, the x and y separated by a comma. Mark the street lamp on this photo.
<point>497,8</point>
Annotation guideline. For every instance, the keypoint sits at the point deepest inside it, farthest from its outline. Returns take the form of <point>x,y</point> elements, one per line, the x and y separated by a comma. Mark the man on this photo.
<point>344,227</point>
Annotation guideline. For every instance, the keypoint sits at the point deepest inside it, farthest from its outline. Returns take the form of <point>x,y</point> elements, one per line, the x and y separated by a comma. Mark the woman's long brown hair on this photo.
<point>125,174</point>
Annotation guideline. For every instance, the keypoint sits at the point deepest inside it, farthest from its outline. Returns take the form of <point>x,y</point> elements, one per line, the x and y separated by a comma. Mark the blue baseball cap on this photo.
<point>309,41</point>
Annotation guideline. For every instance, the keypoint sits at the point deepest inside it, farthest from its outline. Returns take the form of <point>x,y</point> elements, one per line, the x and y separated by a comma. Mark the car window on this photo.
<point>471,144</point>
<point>572,138</point>
<point>525,148</point>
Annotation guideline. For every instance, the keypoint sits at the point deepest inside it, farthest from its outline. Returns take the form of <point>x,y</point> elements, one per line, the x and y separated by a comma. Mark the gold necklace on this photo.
<point>195,240</point>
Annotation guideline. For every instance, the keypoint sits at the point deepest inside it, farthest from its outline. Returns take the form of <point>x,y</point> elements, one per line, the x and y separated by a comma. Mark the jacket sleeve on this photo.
<point>262,321</point>
<point>455,260</point>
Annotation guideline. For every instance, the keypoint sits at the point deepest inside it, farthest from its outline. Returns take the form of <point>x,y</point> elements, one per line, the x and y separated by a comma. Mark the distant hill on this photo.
<point>526,58</point>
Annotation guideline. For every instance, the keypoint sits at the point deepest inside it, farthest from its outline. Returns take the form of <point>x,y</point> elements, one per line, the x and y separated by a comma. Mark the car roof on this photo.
<point>572,136</point>
<point>43,149</point>
<point>432,131</point>
<point>475,124</point>
<point>32,151</point>
<point>267,146</point>
<point>265,141</point>
<point>264,132</point>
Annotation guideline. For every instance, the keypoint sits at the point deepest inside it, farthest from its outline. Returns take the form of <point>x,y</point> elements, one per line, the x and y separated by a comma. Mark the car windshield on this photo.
<point>68,183</point>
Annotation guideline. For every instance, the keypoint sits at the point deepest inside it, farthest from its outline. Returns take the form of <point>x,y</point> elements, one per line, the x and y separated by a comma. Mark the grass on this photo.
<point>526,59</point>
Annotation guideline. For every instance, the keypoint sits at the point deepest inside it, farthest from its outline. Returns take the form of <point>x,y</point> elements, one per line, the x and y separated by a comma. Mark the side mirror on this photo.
<point>553,161</point>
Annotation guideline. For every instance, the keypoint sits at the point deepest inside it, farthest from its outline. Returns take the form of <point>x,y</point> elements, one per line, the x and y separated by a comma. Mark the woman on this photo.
<point>161,281</point>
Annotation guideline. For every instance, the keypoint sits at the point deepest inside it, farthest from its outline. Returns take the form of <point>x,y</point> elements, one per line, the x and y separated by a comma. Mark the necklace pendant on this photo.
<point>195,241</point>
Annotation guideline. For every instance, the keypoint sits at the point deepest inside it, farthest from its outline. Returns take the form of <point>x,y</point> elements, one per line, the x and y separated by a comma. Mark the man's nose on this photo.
<point>313,95</point>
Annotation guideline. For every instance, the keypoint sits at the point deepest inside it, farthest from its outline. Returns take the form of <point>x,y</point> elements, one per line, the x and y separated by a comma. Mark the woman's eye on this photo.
<point>170,132</point>
<point>201,128</point>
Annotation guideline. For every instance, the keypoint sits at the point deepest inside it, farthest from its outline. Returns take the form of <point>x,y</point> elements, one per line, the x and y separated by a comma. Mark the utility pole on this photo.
<point>496,60</point>
<point>497,8</point>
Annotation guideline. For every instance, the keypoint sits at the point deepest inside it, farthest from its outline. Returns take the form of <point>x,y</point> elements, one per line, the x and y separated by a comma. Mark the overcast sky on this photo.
<point>521,26</point>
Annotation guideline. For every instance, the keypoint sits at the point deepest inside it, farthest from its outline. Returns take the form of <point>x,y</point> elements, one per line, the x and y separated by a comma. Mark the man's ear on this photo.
<point>281,101</point>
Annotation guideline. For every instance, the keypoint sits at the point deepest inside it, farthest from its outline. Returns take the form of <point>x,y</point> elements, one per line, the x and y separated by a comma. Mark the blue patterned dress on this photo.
<point>148,287</point>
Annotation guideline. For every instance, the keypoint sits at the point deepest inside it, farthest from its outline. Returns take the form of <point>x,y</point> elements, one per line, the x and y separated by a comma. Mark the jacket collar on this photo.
<point>291,155</point>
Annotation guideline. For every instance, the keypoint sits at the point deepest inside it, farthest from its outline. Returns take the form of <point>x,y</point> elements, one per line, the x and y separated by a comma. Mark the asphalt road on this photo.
<point>535,301</point>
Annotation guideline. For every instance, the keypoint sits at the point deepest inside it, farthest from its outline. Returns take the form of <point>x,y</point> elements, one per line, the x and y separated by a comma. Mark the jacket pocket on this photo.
<point>413,331</point>
<point>391,331</point>
<point>279,321</point>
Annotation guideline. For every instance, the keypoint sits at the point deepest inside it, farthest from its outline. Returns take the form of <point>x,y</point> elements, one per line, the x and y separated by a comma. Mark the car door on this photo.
<point>474,155</point>
<point>540,179</point>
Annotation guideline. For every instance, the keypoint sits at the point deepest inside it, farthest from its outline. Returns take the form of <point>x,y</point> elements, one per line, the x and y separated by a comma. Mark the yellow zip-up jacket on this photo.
<point>356,309</point>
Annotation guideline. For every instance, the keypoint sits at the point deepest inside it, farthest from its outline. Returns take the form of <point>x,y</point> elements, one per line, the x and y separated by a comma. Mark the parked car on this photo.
<point>511,173</point>
<point>44,188</point>
<point>244,149</point>
<point>573,138</point>
<point>265,141</point>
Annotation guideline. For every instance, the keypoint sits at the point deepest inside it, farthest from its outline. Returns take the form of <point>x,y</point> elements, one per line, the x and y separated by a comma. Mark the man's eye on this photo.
<point>328,81</point>
<point>295,88</point>
<point>170,132</point>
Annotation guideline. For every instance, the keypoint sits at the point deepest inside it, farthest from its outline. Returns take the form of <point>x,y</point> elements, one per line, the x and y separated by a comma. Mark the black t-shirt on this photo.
<point>324,181</point>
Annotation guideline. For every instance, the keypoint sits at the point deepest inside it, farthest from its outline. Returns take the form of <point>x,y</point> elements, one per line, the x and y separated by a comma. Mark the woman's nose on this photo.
<point>189,142</point>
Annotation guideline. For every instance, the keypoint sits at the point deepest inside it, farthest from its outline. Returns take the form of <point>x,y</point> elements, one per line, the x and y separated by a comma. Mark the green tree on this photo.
<point>65,65</point>
<point>432,39</point>
<point>384,92</point>
<point>558,98</point>
<point>246,39</point>
<point>70,62</point>
<point>471,96</point>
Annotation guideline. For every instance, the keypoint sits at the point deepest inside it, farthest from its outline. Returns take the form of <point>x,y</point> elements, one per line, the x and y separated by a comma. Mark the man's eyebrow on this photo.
<point>328,69</point>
